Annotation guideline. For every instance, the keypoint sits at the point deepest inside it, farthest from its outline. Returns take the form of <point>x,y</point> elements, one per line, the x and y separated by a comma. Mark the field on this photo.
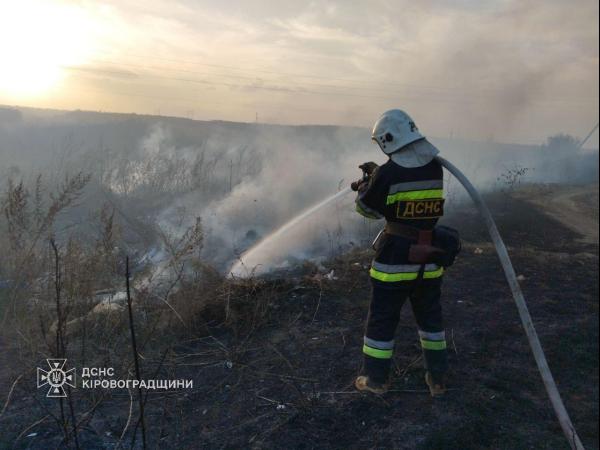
<point>183,265</point>
<point>278,371</point>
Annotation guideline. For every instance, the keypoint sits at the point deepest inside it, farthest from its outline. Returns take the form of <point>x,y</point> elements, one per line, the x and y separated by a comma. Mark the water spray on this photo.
<point>264,249</point>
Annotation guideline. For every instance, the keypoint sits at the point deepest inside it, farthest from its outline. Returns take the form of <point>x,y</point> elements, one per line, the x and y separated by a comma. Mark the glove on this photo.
<point>362,186</point>
<point>368,167</point>
<point>359,185</point>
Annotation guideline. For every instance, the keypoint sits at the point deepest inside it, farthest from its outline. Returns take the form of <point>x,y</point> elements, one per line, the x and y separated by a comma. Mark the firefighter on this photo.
<point>407,191</point>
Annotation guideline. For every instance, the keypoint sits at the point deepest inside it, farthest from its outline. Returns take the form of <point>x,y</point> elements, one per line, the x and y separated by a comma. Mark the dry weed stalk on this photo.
<point>135,357</point>
<point>61,345</point>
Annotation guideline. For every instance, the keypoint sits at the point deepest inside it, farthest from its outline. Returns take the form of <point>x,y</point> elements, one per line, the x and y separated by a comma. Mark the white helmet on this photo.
<point>394,130</point>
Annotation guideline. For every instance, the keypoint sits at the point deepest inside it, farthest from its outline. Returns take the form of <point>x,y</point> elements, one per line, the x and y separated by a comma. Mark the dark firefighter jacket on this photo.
<point>411,196</point>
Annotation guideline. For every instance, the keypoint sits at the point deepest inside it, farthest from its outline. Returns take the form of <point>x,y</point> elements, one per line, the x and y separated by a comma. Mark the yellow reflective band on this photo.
<point>362,212</point>
<point>404,276</point>
<point>433,345</point>
<point>415,195</point>
<point>376,353</point>
<point>434,273</point>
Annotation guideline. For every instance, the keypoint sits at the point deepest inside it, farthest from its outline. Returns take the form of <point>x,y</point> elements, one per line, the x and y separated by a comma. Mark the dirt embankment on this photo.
<point>576,207</point>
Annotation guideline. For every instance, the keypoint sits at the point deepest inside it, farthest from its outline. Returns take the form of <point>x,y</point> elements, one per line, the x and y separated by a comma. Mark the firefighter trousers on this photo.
<point>384,314</point>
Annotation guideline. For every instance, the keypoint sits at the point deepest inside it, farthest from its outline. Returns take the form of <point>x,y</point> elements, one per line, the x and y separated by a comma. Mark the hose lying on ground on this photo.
<point>532,337</point>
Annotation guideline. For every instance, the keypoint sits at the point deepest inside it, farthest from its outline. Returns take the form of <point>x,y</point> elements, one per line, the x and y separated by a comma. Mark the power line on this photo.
<point>187,101</point>
<point>463,98</point>
<point>455,93</point>
<point>253,70</point>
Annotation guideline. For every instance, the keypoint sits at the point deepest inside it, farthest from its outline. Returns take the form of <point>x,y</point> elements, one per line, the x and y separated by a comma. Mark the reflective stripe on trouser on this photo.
<point>433,340</point>
<point>384,314</point>
<point>391,273</point>
<point>435,355</point>
<point>378,349</point>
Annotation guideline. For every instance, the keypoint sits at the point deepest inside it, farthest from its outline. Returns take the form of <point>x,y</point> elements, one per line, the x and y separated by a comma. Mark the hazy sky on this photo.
<point>508,70</point>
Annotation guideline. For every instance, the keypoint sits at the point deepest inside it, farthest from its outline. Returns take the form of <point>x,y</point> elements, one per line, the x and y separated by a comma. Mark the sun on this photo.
<point>37,40</point>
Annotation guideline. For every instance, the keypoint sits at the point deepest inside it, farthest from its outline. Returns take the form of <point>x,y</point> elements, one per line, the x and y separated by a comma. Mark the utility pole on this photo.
<point>587,137</point>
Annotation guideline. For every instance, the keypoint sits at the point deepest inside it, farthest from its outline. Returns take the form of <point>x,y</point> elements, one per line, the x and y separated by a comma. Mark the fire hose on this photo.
<point>532,337</point>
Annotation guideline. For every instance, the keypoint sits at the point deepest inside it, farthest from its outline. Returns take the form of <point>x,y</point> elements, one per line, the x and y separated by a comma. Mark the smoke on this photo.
<point>301,167</point>
<point>245,181</point>
<point>292,175</point>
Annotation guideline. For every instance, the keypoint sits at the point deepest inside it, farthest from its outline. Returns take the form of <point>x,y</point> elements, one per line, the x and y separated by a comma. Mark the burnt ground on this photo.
<point>285,381</point>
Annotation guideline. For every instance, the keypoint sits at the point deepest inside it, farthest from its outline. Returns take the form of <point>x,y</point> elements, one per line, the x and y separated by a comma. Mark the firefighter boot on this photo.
<point>436,384</point>
<point>364,384</point>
